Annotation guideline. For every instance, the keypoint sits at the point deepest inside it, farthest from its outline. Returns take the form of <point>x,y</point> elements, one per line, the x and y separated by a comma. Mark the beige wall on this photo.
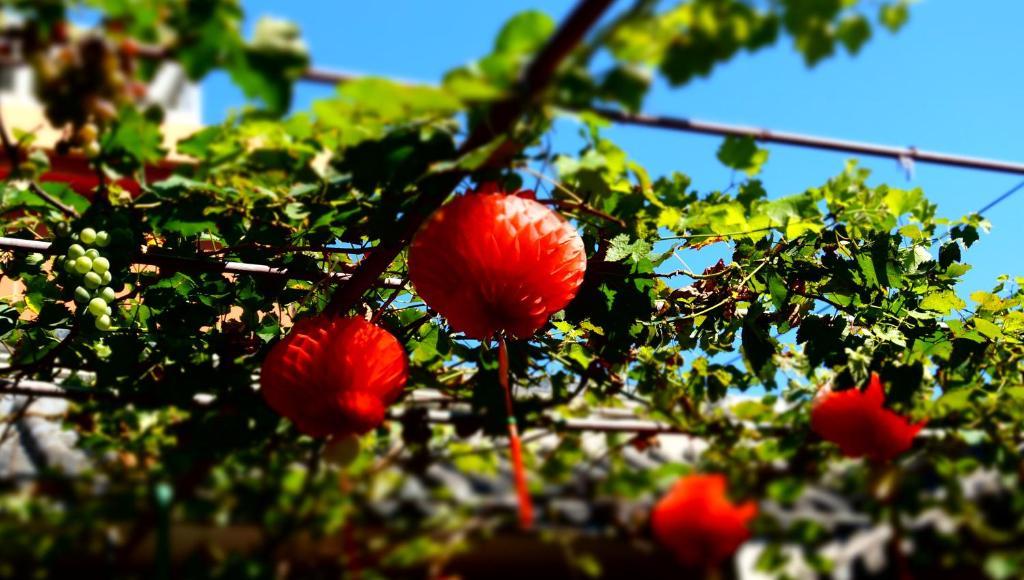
<point>25,115</point>
<point>22,115</point>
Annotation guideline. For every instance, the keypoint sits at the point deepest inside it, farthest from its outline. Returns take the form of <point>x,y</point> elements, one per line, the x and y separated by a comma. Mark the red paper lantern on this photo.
<point>492,263</point>
<point>498,265</point>
<point>698,522</point>
<point>858,422</point>
<point>334,376</point>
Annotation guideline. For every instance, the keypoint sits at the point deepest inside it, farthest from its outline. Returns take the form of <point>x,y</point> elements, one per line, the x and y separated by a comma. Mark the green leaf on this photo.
<point>943,302</point>
<point>988,328</point>
<point>271,63</point>
<point>626,85</point>
<point>954,401</point>
<point>778,289</point>
<point>988,301</point>
<point>209,31</point>
<point>134,141</point>
<point>524,33</point>
<point>913,232</point>
<point>743,154</point>
<point>66,194</point>
<point>949,253</point>
<point>621,248</point>
<point>965,233</point>
<point>902,201</point>
<point>853,31</point>
<point>866,263</point>
<point>1014,322</point>
<point>894,15</point>
<point>8,319</point>
<point>364,109</point>
<point>757,345</point>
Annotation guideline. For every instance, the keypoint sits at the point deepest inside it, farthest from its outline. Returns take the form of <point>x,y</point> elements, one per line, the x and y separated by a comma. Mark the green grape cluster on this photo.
<point>94,269</point>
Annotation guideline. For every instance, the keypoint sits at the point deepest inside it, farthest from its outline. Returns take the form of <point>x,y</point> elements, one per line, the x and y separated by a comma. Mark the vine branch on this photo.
<point>500,120</point>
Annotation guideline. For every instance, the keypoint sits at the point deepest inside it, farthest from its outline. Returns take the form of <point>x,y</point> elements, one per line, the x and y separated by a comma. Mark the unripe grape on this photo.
<point>106,277</point>
<point>87,235</point>
<point>92,253</point>
<point>108,294</point>
<point>69,265</point>
<point>75,251</point>
<point>93,280</point>
<point>81,295</point>
<point>83,264</point>
<point>34,259</point>
<point>102,239</point>
<point>109,311</point>
<point>100,265</point>
<point>92,150</point>
<point>97,306</point>
<point>103,322</point>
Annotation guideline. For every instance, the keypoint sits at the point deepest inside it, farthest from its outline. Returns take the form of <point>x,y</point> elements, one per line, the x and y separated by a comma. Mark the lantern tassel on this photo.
<point>515,445</point>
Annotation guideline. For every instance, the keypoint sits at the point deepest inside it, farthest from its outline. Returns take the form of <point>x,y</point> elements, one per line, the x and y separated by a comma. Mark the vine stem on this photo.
<point>584,209</point>
<point>725,300</point>
<point>501,119</point>
<point>515,444</point>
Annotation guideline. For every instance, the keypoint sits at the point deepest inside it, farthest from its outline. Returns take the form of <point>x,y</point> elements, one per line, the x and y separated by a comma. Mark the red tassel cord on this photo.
<point>515,445</point>
<point>349,542</point>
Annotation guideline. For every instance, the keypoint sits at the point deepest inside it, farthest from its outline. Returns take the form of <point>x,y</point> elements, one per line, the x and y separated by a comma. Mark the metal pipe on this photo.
<point>809,141</point>
<point>191,264</point>
<point>757,133</point>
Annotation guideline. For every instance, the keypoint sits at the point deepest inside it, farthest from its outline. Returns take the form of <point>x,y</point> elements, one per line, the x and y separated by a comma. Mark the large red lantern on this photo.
<point>495,264</point>
<point>334,376</point>
<point>698,522</point>
<point>858,422</point>
<point>498,265</point>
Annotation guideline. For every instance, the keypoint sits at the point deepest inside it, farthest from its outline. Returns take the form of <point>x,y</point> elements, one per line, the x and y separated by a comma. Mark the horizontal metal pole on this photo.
<point>637,426</point>
<point>333,77</point>
<point>759,134</point>
<point>32,388</point>
<point>809,141</point>
<point>190,264</point>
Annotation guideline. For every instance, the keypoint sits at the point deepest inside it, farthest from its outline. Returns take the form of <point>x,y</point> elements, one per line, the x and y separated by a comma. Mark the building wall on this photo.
<point>21,111</point>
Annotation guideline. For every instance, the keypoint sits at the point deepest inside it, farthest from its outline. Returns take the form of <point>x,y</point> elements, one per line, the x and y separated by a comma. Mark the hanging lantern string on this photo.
<point>515,445</point>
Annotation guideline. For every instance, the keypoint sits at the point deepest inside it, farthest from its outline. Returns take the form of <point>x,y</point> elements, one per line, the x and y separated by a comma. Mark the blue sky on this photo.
<point>949,81</point>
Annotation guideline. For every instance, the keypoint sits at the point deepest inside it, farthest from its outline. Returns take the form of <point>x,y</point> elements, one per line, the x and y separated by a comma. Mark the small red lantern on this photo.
<point>334,376</point>
<point>858,422</point>
<point>698,522</point>
<point>493,263</point>
<point>498,265</point>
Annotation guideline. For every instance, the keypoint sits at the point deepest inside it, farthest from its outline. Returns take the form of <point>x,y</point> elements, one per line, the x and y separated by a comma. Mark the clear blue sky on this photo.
<point>950,81</point>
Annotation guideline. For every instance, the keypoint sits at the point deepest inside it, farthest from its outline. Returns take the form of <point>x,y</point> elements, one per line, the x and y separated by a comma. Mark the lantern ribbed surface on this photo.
<point>334,376</point>
<point>492,263</point>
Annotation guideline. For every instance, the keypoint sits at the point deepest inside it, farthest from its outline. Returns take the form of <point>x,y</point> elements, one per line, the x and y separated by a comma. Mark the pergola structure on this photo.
<point>40,438</point>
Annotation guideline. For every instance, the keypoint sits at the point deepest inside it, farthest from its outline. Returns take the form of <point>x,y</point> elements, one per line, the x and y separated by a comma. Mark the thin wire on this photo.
<point>981,212</point>
<point>1005,196</point>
